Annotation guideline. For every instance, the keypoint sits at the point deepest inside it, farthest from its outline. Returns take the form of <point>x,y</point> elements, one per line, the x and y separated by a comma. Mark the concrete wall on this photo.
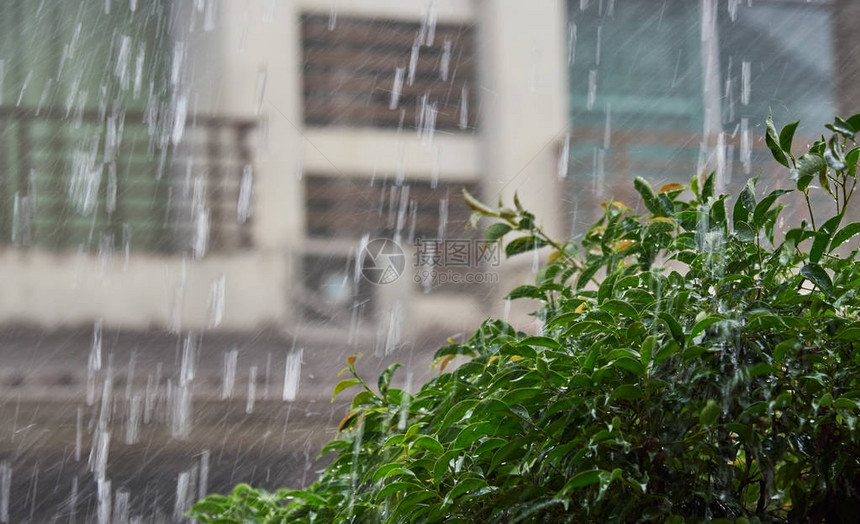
<point>249,65</point>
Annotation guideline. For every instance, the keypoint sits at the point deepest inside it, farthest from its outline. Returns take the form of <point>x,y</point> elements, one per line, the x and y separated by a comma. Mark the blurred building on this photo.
<point>217,165</point>
<point>197,185</point>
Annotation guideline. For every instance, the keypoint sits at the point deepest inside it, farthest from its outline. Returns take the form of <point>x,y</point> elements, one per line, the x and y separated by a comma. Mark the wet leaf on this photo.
<point>818,276</point>
<point>343,384</point>
<point>773,143</point>
<point>786,136</point>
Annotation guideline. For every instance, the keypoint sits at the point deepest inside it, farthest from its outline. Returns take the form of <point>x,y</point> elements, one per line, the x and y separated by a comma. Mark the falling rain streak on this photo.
<point>192,192</point>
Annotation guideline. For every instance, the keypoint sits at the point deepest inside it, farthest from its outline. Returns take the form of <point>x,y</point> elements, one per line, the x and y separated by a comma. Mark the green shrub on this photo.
<point>709,372</point>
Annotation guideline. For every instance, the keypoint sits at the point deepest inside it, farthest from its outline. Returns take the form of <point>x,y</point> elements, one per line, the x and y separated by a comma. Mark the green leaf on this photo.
<point>478,206</point>
<point>580,480</point>
<point>541,341</point>
<point>762,208</point>
<point>440,467</point>
<point>627,392</point>
<point>620,307</point>
<point>705,323</point>
<point>808,166</point>
<point>773,142</point>
<point>842,127</point>
<point>497,231</point>
<point>818,276</point>
<point>748,197</point>
<point>854,122</point>
<point>851,159</point>
<point>383,470</point>
<point>334,445</point>
<point>429,443</point>
<point>385,378</point>
<point>648,197</point>
<point>674,327</point>
<point>396,487</point>
<point>709,413</point>
<point>708,187</point>
<point>740,212</point>
<point>647,350</point>
<point>310,498</point>
<point>466,485</point>
<point>586,275</point>
<point>523,244</point>
<point>822,238</point>
<point>787,135</point>
<point>343,384</point>
<point>490,444</point>
<point>525,291</point>
<point>633,366</point>
<point>843,235</point>
<point>458,411</point>
<point>850,333</point>
<point>846,403</point>
<point>604,291</point>
<point>783,347</point>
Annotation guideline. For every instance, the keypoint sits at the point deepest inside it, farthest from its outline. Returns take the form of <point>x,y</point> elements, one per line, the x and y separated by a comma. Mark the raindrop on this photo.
<point>209,16</point>
<point>132,428</point>
<point>564,158</point>
<point>397,88</point>
<point>332,15</point>
<point>24,87</point>
<point>746,146</point>
<point>571,44</point>
<point>260,91</point>
<point>292,374</point>
<point>745,82</point>
<point>445,60</point>
<point>413,63</point>
<point>122,60</point>
<point>598,171</point>
<point>217,292</point>
<point>464,107</point>
<point>252,390</point>
<point>138,70</point>
<point>120,507</point>
<point>733,9</point>
<point>73,501</point>
<point>592,88</point>
<point>79,430</point>
<point>104,501</point>
<point>243,207</point>
<point>228,377</point>
<point>443,217</point>
<point>179,116</point>
<point>204,474</point>
<point>182,492</point>
<point>5,488</point>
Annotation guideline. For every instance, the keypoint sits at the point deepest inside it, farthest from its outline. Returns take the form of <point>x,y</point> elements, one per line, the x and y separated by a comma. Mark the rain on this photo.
<point>209,205</point>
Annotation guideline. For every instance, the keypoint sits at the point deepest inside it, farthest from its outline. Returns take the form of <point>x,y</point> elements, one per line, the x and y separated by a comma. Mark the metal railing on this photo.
<point>98,179</point>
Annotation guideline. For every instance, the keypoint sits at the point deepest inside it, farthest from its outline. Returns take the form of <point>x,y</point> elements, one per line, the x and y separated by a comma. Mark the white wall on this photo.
<point>522,115</point>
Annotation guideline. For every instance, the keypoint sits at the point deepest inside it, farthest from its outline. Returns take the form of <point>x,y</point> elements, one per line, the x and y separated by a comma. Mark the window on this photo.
<point>640,70</point>
<point>384,73</point>
<point>94,150</point>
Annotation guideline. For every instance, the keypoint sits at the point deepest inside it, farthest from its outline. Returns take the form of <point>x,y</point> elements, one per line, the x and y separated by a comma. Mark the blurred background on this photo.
<point>190,191</point>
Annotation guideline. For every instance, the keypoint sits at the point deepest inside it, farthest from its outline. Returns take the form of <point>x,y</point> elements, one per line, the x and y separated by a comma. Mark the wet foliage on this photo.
<point>695,363</point>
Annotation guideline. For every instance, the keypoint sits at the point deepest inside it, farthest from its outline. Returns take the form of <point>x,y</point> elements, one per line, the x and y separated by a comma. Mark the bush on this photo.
<point>710,371</point>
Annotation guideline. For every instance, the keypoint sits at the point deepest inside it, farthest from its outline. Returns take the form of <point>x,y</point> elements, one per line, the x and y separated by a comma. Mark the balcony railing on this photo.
<point>96,179</point>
